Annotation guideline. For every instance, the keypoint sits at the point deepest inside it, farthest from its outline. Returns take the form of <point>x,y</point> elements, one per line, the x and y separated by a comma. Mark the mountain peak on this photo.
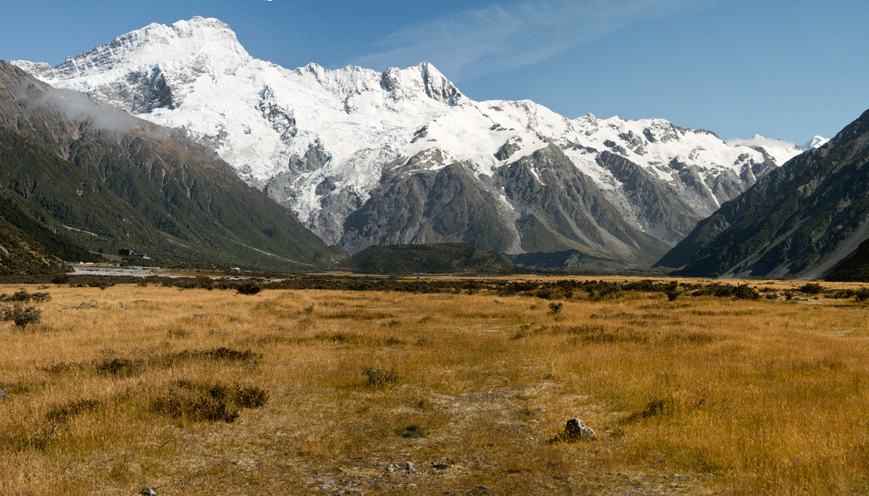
<point>423,78</point>
<point>816,142</point>
<point>197,45</point>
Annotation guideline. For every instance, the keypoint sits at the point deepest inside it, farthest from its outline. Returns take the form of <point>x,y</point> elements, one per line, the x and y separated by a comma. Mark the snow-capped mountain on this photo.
<point>349,150</point>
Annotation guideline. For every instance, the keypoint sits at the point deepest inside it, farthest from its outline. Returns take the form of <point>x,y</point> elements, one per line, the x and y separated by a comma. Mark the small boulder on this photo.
<point>574,431</point>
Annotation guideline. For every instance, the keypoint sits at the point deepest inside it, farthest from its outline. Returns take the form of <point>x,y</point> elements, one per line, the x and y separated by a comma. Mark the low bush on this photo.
<point>378,378</point>
<point>22,296</point>
<point>248,288</point>
<point>119,367</point>
<point>203,401</point>
<point>21,315</point>
<point>811,288</point>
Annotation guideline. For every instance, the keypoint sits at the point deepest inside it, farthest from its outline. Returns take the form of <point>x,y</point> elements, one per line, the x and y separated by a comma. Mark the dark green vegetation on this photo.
<point>800,220</point>
<point>567,259</point>
<point>445,258</point>
<point>547,289</point>
<point>108,181</point>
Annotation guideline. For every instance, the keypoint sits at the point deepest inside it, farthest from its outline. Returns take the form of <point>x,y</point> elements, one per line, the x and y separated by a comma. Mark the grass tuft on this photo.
<point>207,401</point>
<point>654,408</point>
<point>377,378</point>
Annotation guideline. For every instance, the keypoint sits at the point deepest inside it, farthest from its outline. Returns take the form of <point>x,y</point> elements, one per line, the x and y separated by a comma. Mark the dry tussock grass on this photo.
<point>329,392</point>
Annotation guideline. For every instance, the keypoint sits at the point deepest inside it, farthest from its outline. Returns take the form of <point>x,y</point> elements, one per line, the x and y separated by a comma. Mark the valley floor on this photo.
<point>326,392</point>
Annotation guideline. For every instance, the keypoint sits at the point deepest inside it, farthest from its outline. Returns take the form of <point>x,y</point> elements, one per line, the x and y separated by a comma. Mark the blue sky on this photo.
<point>785,70</point>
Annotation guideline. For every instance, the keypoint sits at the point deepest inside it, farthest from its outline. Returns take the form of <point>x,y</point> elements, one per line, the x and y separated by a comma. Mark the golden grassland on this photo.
<point>331,392</point>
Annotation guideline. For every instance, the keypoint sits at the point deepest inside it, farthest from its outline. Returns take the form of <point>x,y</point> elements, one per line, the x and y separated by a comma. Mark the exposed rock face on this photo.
<point>539,203</point>
<point>798,221</point>
<point>425,201</point>
<point>559,208</point>
<point>313,159</point>
<point>653,206</point>
<point>573,259</point>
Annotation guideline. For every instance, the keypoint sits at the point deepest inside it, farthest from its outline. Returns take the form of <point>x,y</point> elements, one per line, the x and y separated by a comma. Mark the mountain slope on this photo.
<point>112,181</point>
<point>855,268</point>
<point>27,247</point>
<point>800,221</point>
<point>323,142</point>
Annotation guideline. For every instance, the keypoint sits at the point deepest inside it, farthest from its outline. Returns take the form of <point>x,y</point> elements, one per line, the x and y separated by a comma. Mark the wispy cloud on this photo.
<point>499,38</point>
<point>79,107</point>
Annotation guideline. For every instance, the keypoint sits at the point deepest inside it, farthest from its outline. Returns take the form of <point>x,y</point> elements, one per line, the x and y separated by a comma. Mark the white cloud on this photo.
<point>499,38</point>
<point>79,107</point>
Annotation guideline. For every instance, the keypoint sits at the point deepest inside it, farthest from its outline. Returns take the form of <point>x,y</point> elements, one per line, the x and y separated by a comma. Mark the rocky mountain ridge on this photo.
<point>799,221</point>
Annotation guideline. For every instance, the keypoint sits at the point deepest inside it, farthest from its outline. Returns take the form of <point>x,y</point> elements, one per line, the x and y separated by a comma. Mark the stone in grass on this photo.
<point>574,431</point>
<point>410,431</point>
<point>406,467</point>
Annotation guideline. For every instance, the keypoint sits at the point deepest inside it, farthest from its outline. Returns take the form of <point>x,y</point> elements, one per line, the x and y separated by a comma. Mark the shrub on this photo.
<point>811,288</point>
<point>248,288</point>
<point>119,367</point>
<point>745,292</point>
<point>555,307</point>
<point>23,296</point>
<point>251,397</point>
<point>862,294</point>
<point>22,315</point>
<point>203,401</point>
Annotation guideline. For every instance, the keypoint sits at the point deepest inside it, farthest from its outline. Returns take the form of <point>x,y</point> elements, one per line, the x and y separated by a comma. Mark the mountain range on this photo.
<point>366,158</point>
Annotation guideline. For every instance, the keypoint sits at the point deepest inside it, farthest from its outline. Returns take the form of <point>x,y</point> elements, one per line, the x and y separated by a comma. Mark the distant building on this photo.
<point>129,252</point>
